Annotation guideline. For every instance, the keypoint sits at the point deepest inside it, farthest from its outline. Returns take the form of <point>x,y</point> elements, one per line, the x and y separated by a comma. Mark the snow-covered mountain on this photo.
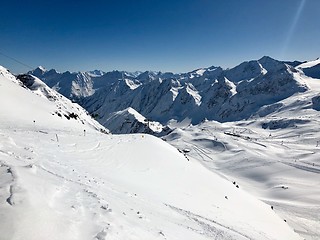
<point>71,85</point>
<point>59,182</point>
<point>273,155</point>
<point>77,85</point>
<point>209,93</point>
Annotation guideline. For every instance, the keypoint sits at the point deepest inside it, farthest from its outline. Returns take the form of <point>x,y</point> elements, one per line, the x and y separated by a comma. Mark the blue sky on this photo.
<point>165,35</point>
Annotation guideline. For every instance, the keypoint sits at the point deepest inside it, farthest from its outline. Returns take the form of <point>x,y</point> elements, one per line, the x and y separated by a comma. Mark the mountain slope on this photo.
<point>58,183</point>
<point>311,68</point>
<point>210,93</point>
<point>27,92</point>
<point>130,121</point>
<point>273,155</point>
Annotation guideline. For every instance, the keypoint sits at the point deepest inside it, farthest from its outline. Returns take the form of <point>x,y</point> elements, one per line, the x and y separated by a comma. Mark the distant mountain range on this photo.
<point>209,93</point>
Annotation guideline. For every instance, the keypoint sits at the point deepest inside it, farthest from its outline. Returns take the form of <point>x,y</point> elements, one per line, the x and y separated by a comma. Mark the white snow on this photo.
<point>274,155</point>
<point>59,182</point>
<point>129,119</point>
<point>137,115</point>
<point>309,64</point>
<point>233,89</point>
<point>194,93</point>
<point>43,69</point>
<point>132,85</point>
<point>95,73</point>
<point>263,70</point>
<point>200,71</point>
<point>175,92</point>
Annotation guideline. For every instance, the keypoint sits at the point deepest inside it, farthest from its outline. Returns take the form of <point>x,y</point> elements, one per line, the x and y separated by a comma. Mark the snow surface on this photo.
<point>309,64</point>
<point>273,155</point>
<point>311,68</point>
<point>59,182</point>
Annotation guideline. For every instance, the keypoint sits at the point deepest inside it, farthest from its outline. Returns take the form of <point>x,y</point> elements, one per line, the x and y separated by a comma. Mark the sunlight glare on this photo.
<point>292,28</point>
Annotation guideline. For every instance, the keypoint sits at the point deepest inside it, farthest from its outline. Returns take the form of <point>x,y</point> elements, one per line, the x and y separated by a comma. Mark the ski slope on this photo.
<point>274,155</point>
<point>58,181</point>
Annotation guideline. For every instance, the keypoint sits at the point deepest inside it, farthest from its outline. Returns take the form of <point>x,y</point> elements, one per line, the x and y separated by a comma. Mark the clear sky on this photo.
<point>165,35</point>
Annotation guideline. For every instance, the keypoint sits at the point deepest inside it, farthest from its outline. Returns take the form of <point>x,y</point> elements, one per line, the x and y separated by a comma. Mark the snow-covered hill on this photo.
<point>59,182</point>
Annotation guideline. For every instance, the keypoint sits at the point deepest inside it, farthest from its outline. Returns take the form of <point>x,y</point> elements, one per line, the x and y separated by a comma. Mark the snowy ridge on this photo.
<point>51,104</point>
<point>240,92</point>
<point>95,73</point>
<point>89,185</point>
<point>206,93</point>
<point>309,64</point>
<point>130,121</point>
<point>311,68</point>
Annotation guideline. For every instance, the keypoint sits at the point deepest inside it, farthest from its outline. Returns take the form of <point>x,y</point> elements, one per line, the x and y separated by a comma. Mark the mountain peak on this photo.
<point>96,73</point>
<point>267,59</point>
<point>39,71</point>
<point>42,68</point>
<point>271,64</point>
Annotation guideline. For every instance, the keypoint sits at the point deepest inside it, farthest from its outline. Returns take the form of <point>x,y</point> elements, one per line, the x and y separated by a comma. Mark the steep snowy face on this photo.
<point>109,99</point>
<point>244,71</point>
<point>186,102</point>
<point>148,97</point>
<point>218,93</point>
<point>82,86</point>
<point>147,76</point>
<point>253,69</point>
<point>130,121</point>
<point>270,64</point>
<point>96,73</point>
<point>39,105</point>
<point>61,82</point>
<point>279,82</point>
<point>71,85</point>
<point>166,94</point>
<point>202,78</point>
<point>248,87</point>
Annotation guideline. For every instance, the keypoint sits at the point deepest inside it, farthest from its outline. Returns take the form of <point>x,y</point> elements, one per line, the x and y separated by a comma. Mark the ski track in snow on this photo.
<point>95,198</point>
<point>211,228</point>
<point>278,168</point>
